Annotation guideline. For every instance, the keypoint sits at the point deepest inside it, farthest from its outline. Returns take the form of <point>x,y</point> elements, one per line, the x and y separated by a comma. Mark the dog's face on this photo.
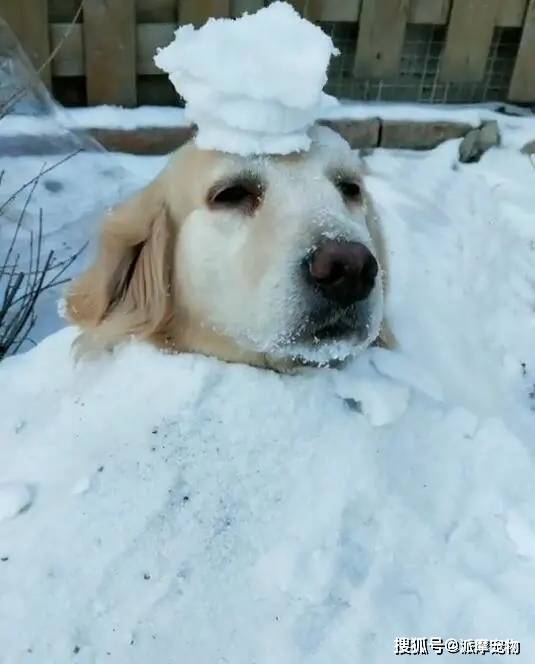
<point>276,252</point>
<point>259,257</point>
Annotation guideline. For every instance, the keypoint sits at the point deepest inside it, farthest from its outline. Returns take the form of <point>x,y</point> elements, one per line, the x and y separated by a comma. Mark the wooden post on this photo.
<point>333,10</point>
<point>69,60</point>
<point>150,36</point>
<point>511,13</point>
<point>156,11</point>
<point>434,12</point>
<point>29,21</point>
<point>381,37</point>
<point>238,7</point>
<point>110,51</point>
<point>198,12</point>
<point>468,40</point>
<point>523,80</point>
<point>299,5</point>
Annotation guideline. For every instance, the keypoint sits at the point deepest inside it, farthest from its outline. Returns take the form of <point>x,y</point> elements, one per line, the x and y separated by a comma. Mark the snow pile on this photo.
<point>252,85</point>
<point>245,516</point>
<point>468,233</point>
<point>223,513</point>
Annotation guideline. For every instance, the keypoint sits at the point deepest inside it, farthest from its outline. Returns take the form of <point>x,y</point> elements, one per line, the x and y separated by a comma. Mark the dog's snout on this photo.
<point>344,272</point>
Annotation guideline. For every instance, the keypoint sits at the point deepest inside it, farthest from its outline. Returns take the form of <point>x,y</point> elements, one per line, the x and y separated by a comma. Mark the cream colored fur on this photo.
<point>173,272</point>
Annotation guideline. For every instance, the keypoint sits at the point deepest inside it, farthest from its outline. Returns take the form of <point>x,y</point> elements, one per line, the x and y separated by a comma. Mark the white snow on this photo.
<point>379,399</point>
<point>251,85</point>
<point>516,127</point>
<point>15,497</point>
<point>178,509</point>
<point>94,117</point>
<point>116,117</point>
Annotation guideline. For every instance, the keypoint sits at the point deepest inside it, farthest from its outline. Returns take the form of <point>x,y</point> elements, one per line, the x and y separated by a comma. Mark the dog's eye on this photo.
<point>351,191</point>
<point>243,195</point>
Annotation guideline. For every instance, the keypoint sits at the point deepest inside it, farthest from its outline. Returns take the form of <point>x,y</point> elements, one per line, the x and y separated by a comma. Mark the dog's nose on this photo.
<point>344,272</point>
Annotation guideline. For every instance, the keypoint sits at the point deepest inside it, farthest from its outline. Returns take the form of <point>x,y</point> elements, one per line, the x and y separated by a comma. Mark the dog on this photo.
<point>273,261</point>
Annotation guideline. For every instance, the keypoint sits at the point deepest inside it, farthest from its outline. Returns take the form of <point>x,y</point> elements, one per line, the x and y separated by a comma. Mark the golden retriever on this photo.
<point>271,261</point>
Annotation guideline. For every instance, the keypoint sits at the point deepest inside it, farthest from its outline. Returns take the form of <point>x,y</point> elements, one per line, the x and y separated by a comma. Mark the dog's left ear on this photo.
<point>127,291</point>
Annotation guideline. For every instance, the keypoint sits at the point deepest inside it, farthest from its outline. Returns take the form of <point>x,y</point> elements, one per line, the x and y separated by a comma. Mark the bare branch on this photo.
<point>21,287</point>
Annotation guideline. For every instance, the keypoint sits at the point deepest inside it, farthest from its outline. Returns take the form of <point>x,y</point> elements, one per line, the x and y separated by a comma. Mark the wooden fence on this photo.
<point>109,49</point>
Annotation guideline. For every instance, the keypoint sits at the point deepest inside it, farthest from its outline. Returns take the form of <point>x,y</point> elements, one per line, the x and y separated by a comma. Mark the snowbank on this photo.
<point>247,516</point>
<point>177,509</point>
<point>252,85</point>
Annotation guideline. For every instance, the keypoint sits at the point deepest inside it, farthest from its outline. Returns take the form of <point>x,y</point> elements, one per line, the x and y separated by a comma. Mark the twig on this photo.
<point>56,281</point>
<point>18,226</point>
<point>24,287</point>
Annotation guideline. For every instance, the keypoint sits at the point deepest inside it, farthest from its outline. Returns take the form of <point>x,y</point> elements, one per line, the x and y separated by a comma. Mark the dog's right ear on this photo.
<point>126,292</point>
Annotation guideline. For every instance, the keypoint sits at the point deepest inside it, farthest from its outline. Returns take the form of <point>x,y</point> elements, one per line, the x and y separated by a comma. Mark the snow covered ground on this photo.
<point>177,509</point>
<point>517,123</point>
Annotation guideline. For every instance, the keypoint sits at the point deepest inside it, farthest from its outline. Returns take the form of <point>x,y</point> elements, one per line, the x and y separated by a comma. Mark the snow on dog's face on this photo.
<point>257,259</point>
<point>277,254</point>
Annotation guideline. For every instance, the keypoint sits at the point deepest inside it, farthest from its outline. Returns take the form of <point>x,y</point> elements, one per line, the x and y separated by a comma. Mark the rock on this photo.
<point>409,135</point>
<point>512,111</point>
<point>358,133</point>
<point>478,141</point>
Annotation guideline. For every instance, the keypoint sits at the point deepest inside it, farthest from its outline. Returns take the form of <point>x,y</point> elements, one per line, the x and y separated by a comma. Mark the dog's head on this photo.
<point>258,259</point>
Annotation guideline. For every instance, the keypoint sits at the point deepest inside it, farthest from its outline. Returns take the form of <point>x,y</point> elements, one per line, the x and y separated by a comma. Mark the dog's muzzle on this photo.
<point>341,272</point>
<point>340,276</point>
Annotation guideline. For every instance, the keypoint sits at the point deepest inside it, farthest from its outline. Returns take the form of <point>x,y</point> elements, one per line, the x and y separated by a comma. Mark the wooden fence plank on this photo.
<point>381,36</point>
<point>468,40</point>
<point>156,11</point>
<point>333,10</point>
<point>523,81</point>
<point>69,60</point>
<point>198,12</point>
<point>468,58</point>
<point>29,21</point>
<point>110,51</point>
<point>511,13</point>
<point>238,7</point>
<point>149,37</point>
<point>429,11</point>
<point>300,5</point>
<point>62,11</point>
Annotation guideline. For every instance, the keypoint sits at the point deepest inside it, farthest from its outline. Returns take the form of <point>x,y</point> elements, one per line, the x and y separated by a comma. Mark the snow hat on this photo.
<point>252,85</point>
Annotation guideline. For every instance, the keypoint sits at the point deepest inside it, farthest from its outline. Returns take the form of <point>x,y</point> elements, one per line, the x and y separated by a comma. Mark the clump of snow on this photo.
<point>379,399</point>
<point>251,85</point>
<point>15,497</point>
